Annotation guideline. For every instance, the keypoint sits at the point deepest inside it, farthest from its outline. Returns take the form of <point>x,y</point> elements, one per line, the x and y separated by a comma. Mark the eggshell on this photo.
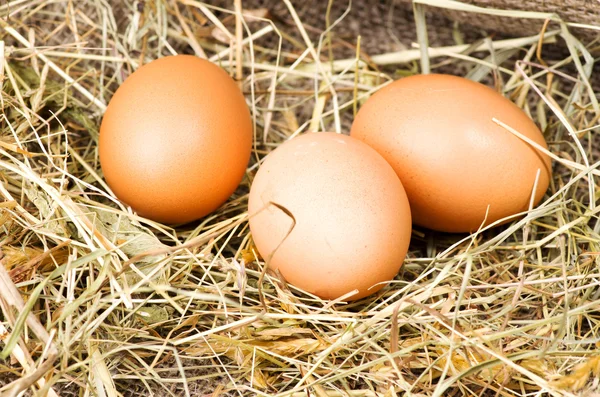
<point>330,214</point>
<point>437,133</point>
<point>176,139</point>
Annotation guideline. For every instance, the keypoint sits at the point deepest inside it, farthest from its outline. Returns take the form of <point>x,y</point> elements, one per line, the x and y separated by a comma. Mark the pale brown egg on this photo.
<point>329,213</point>
<point>454,161</point>
<point>176,139</point>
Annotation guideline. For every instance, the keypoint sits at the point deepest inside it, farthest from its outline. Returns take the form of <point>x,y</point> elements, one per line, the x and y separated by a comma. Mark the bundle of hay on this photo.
<point>95,300</point>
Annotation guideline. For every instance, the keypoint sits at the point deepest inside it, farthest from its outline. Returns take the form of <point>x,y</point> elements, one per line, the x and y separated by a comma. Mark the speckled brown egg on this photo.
<point>329,213</point>
<point>454,161</point>
<point>176,139</point>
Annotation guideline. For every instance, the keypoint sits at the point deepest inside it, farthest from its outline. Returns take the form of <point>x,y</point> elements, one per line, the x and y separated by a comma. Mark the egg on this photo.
<point>330,215</point>
<point>175,139</point>
<point>456,164</point>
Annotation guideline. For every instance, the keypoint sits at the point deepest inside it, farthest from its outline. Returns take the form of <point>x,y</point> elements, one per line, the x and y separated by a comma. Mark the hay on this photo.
<point>97,300</point>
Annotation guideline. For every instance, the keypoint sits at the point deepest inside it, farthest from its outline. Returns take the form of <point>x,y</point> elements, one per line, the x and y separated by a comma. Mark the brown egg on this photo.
<point>454,162</point>
<point>176,139</point>
<point>332,214</point>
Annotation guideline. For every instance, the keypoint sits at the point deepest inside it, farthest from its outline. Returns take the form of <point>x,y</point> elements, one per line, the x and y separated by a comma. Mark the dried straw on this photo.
<point>98,301</point>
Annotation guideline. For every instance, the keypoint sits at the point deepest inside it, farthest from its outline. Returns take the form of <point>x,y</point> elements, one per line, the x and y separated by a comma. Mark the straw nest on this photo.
<point>97,301</point>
